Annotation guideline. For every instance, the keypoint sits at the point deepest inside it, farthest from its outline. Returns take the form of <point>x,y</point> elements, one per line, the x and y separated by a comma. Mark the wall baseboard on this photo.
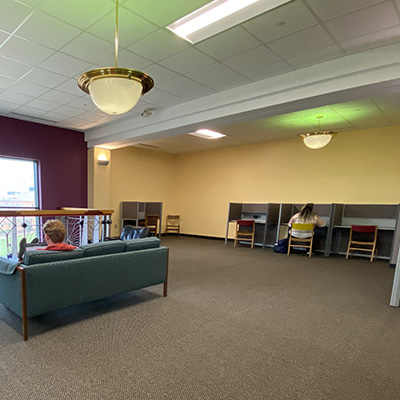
<point>195,236</point>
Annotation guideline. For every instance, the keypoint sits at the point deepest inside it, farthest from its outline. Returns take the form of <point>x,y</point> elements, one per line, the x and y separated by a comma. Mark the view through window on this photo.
<point>18,189</point>
<point>18,183</point>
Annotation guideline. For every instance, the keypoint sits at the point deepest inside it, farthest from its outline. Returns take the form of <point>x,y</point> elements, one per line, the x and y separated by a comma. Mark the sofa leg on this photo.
<point>24,304</point>
<point>166,277</point>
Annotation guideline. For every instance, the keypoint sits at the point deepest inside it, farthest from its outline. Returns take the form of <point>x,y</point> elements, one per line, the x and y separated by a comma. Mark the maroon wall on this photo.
<point>62,156</point>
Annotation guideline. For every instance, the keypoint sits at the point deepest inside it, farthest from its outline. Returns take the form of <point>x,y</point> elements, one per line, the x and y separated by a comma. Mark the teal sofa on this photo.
<point>51,280</point>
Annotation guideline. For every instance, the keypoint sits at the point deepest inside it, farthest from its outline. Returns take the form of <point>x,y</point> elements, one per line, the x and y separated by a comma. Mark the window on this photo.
<point>18,189</point>
<point>18,183</point>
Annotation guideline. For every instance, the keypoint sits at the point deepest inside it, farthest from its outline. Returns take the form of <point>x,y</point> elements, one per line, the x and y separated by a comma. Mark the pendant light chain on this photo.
<point>116,35</point>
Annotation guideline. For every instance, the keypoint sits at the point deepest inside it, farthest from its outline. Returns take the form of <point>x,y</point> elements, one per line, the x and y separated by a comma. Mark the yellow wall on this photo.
<point>98,180</point>
<point>141,175</point>
<point>356,167</point>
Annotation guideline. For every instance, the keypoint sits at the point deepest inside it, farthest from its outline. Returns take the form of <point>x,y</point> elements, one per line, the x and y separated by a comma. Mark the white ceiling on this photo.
<point>253,82</point>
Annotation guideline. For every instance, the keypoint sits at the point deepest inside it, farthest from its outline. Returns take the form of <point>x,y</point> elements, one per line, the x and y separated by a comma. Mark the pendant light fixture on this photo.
<point>115,90</point>
<point>319,139</point>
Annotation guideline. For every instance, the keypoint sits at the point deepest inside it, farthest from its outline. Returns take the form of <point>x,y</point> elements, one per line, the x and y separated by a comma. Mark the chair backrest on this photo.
<point>173,219</point>
<point>300,230</point>
<point>364,228</point>
<point>151,219</point>
<point>302,227</point>
<point>245,222</point>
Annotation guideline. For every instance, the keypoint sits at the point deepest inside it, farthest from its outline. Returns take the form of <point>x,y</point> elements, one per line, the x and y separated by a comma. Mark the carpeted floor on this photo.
<point>238,323</point>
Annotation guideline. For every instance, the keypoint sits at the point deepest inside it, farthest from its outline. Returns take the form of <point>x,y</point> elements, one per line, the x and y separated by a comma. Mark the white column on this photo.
<point>395,299</point>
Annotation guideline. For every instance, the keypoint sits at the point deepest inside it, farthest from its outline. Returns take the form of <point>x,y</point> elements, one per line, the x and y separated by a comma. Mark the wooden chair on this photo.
<point>245,230</point>
<point>173,224</point>
<point>151,222</point>
<point>363,238</point>
<point>305,242</point>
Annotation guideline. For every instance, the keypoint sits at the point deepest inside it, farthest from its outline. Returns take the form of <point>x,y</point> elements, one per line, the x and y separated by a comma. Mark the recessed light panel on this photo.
<point>207,134</point>
<point>218,16</point>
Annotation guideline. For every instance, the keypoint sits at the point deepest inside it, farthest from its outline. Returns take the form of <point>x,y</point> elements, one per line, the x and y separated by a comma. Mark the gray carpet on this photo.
<point>238,323</point>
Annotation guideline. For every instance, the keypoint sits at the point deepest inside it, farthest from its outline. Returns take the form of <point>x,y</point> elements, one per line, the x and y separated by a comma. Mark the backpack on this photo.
<point>281,246</point>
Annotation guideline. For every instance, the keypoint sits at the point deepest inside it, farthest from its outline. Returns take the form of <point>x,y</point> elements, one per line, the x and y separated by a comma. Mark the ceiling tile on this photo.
<point>282,21</point>
<point>81,14</point>
<point>155,94</point>
<point>48,31</point>
<point>3,36</point>
<point>362,22</point>
<point>77,123</point>
<point>68,111</point>
<point>85,104</point>
<point>43,105</point>
<point>30,111</point>
<point>14,97</point>
<point>58,97</point>
<point>92,117</point>
<point>12,68</point>
<point>25,51</point>
<point>218,77</point>
<point>328,9</point>
<point>301,42</point>
<point>29,89</point>
<point>169,101</point>
<point>160,74</point>
<point>89,48</point>
<point>315,57</point>
<point>71,86</point>
<point>354,105</point>
<point>126,59</point>
<point>161,12</point>
<point>264,63</point>
<point>187,61</point>
<point>13,14</point>
<point>44,78</point>
<point>7,107</point>
<point>131,27</point>
<point>32,3</point>
<point>52,116</point>
<point>186,88</point>
<point>159,45</point>
<point>367,123</point>
<point>388,103</point>
<point>66,65</point>
<point>221,46</point>
<point>372,40</point>
<point>394,118</point>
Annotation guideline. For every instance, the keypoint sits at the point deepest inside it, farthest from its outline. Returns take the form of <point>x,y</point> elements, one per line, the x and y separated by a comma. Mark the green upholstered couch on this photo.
<point>50,280</point>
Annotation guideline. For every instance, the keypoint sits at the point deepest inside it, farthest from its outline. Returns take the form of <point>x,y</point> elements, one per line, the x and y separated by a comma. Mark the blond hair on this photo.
<point>55,230</point>
<point>307,212</point>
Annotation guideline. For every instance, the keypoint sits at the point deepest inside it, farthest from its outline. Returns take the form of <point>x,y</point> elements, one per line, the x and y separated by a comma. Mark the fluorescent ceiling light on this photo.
<point>218,16</point>
<point>207,134</point>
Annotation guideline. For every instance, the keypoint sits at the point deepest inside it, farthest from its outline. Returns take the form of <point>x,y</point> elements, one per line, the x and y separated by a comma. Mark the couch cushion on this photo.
<point>44,256</point>
<point>140,244</point>
<point>101,248</point>
<point>7,267</point>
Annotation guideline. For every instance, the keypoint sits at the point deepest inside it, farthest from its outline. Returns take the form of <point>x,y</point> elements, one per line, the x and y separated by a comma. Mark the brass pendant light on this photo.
<point>115,90</point>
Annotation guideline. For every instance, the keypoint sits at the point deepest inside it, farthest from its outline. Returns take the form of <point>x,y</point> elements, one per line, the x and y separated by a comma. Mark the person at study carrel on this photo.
<point>305,216</point>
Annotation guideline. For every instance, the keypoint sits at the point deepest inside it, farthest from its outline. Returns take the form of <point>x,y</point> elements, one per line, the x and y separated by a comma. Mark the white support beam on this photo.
<point>347,78</point>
